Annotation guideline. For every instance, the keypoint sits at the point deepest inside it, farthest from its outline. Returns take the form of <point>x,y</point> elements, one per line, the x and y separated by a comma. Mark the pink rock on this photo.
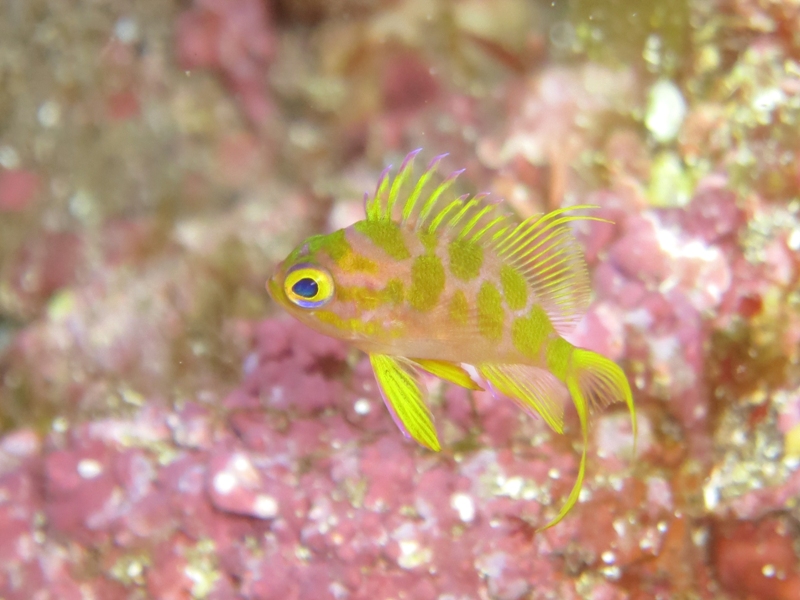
<point>197,32</point>
<point>601,330</point>
<point>759,503</point>
<point>80,493</point>
<point>258,431</point>
<point>436,490</point>
<point>610,283</point>
<point>235,485</point>
<point>150,517</point>
<point>789,416</point>
<point>135,472</point>
<point>46,264</point>
<point>756,560</point>
<point>19,502</point>
<point>22,443</point>
<point>167,577</point>
<point>235,38</point>
<point>638,253</point>
<point>388,467</point>
<point>713,213</point>
<point>122,106</point>
<point>191,427</point>
<point>126,241</point>
<point>499,419</point>
<point>614,437</point>
<point>18,188</point>
<point>704,273</point>
<point>239,157</point>
<point>459,406</point>
<point>407,83</point>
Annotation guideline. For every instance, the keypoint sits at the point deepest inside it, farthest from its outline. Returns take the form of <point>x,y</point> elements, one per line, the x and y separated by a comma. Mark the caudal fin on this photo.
<point>594,382</point>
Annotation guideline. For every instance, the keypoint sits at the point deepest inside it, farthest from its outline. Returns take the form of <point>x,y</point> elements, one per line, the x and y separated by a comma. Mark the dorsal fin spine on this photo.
<point>475,218</point>
<point>374,206</point>
<point>431,201</point>
<point>417,191</point>
<point>437,220</point>
<point>500,233</point>
<point>460,214</point>
<point>486,228</point>
<point>405,172</point>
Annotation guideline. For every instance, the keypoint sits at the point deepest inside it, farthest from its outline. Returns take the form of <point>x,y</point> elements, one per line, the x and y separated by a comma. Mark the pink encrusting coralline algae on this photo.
<point>167,434</point>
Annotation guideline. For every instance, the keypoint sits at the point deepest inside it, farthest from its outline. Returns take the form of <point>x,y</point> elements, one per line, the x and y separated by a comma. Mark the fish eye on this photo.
<point>308,286</point>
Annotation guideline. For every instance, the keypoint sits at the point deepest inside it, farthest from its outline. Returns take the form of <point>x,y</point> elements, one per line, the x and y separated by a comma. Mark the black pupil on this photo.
<point>306,288</point>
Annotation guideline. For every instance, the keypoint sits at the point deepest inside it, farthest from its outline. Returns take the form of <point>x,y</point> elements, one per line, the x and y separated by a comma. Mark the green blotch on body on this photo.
<point>429,240</point>
<point>459,308</point>
<point>363,297</point>
<point>529,333</point>
<point>466,259</point>
<point>385,235</point>
<point>427,282</point>
<point>338,248</point>
<point>345,326</point>
<point>336,245</point>
<point>393,292</point>
<point>490,312</point>
<point>559,352</point>
<point>515,289</point>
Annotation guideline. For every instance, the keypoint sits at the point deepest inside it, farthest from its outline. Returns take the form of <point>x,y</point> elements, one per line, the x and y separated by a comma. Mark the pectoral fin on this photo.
<point>400,388</point>
<point>450,372</point>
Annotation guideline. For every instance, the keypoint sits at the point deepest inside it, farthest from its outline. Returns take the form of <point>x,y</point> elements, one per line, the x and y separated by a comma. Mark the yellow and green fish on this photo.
<point>431,283</point>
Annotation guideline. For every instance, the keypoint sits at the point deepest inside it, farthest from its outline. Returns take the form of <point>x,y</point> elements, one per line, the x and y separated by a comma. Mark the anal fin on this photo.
<point>535,390</point>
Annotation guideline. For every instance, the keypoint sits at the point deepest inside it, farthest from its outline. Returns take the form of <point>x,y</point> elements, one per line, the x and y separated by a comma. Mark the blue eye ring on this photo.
<point>308,286</point>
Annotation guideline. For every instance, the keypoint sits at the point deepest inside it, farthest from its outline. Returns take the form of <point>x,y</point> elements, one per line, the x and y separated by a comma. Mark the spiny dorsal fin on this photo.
<point>542,247</point>
<point>430,211</point>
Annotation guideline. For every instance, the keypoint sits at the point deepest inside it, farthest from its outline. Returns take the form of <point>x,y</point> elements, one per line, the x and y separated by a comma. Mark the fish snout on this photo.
<point>274,289</point>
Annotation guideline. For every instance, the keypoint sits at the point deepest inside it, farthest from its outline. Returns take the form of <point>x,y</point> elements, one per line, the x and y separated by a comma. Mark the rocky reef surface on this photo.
<point>166,433</point>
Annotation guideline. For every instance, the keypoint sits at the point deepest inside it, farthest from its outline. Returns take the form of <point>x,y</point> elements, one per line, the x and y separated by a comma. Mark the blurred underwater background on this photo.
<point>167,433</point>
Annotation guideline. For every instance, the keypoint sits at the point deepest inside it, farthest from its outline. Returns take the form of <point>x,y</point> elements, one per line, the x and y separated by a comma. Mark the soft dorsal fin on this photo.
<point>542,247</point>
<point>544,250</point>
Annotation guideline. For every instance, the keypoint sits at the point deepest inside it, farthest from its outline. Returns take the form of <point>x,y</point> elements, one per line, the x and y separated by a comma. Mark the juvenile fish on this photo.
<point>431,283</point>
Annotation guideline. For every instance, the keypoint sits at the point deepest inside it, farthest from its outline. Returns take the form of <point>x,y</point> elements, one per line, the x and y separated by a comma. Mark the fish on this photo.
<point>432,283</point>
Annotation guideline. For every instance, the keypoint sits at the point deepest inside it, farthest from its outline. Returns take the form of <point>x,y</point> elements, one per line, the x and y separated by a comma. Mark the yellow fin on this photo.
<point>400,388</point>
<point>449,371</point>
<point>544,250</point>
<point>602,382</point>
<point>535,390</point>
<point>572,499</point>
<point>431,210</point>
<point>594,382</point>
<point>575,493</point>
